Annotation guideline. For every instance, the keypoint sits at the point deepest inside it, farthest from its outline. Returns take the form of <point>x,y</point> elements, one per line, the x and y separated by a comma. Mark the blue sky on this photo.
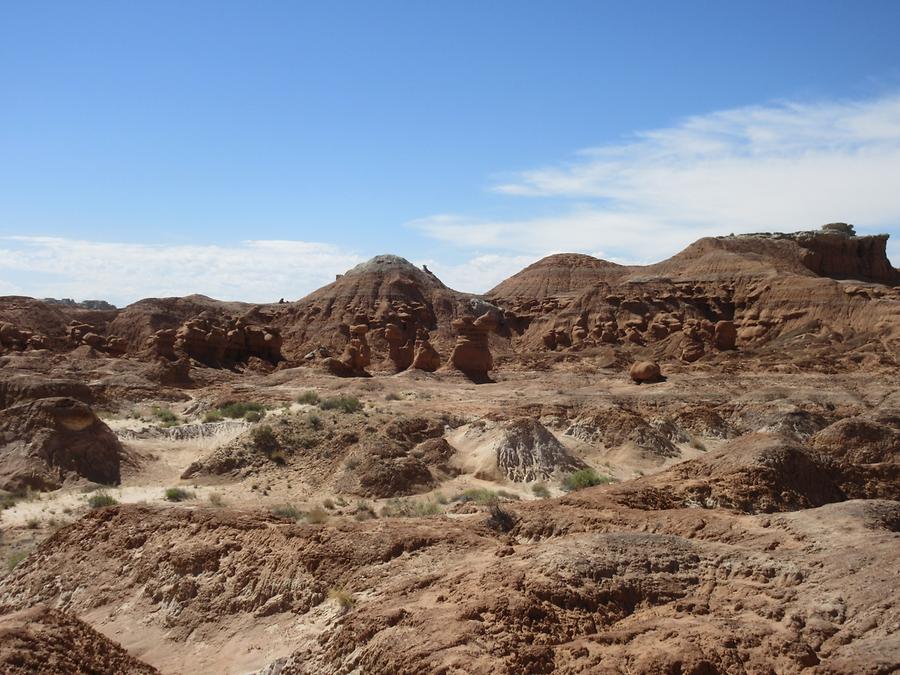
<point>251,150</point>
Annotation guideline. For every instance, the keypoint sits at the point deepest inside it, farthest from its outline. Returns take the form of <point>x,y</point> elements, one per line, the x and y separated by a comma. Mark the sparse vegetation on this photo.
<point>697,444</point>
<point>540,491</point>
<point>316,515</point>
<point>500,519</point>
<point>314,420</point>
<point>33,523</point>
<point>177,494</point>
<point>166,416</point>
<point>7,501</point>
<point>328,504</point>
<point>477,495</point>
<point>238,409</point>
<point>582,479</point>
<point>347,404</point>
<point>264,439</point>
<point>213,416</point>
<point>287,511</point>
<point>409,508</point>
<point>364,511</point>
<point>216,499</point>
<point>392,396</point>
<point>253,416</point>
<point>344,598</point>
<point>14,559</point>
<point>310,397</point>
<point>100,499</point>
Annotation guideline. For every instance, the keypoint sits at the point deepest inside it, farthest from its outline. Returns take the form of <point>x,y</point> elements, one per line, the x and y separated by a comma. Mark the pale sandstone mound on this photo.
<point>762,473</point>
<point>618,427</point>
<point>370,456</point>
<point>48,441</point>
<point>47,641</point>
<point>860,440</point>
<point>527,451</point>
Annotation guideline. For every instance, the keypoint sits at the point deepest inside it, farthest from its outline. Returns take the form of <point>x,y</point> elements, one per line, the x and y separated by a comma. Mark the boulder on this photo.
<point>725,336</point>
<point>645,371</point>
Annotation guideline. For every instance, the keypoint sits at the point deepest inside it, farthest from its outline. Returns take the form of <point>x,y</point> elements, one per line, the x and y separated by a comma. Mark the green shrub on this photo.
<point>287,511</point>
<point>409,508</point>
<point>253,416</point>
<point>310,397</point>
<point>314,420</point>
<point>177,494</point>
<point>100,499</point>
<point>238,409</point>
<point>165,415</point>
<point>540,491</point>
<point>264,439</point>
<point>213,416</point>
<point>477,495</point>
<point>347,404</point>
<point>582,479</point>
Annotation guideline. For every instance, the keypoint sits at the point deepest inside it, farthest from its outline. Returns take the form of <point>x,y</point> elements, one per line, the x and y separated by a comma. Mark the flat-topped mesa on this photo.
<point>836,251</point>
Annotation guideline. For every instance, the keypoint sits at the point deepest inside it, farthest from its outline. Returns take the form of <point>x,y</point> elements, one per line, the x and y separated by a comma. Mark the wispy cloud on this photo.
<point>480,273</point>
<point>779,167</point>
<point>256,271</point>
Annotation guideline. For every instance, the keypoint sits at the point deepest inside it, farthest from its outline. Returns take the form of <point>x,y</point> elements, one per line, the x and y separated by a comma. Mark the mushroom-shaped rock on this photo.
<point>472,354</point>
<point>400,349</point>
<point>645,371</point>
<point>426,356</point>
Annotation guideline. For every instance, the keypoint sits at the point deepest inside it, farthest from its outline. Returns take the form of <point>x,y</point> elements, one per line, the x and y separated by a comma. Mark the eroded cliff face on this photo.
<point>842,256</point>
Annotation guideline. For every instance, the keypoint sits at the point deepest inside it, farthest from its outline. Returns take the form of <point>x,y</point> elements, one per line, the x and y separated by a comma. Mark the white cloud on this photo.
<point>253,271</point>
<point>780,167</point>
<point>481,273</point>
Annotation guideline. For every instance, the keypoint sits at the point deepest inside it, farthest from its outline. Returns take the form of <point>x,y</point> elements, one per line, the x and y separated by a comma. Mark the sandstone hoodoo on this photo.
<point>425,357</point>
<point>51,440</point>
<point>472,353</point>
<point>742,517</point>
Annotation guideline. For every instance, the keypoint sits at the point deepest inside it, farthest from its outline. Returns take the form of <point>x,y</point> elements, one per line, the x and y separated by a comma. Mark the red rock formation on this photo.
<point>645,371</point>
<point>472,354</point>
<point>426,356</point>
<point>48,440</point>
